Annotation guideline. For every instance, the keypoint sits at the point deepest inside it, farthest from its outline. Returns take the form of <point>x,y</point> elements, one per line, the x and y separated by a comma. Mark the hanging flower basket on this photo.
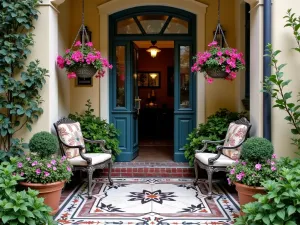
<point>218,62</point>
<point>85,71</point>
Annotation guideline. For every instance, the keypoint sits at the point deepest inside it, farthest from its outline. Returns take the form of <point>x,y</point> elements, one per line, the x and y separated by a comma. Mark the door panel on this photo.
<point>185,105</point>
<point>122,99</point>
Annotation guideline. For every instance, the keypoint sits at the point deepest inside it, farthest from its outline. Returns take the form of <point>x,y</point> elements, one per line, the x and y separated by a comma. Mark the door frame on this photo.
<point>181,38</point>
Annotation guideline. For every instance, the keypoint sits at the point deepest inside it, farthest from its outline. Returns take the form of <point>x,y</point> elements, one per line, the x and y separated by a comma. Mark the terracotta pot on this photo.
<point>50,192</point>
<point>246,192</point>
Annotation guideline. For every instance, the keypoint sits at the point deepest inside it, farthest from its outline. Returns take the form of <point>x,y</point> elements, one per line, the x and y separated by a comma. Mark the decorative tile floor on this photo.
<point>148,201</point>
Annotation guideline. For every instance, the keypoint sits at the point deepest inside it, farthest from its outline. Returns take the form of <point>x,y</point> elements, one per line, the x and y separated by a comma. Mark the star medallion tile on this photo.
<point>148,196</point>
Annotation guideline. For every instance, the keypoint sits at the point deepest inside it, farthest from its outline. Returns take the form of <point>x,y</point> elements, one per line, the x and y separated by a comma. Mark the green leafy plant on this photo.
<point>20,207</point>
<point>19,95</point>
<point>275,85</point>
<point>256,149</point>
<point>281,204</point>
<point>94,128</point>
<point>214,129</point>
<point>44,144</point>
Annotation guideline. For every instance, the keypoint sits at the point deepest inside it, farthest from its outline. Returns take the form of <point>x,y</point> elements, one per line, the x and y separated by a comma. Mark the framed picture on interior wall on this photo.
<point>170,77</point>
<point>84,82</point>
<point>149,79</point>
<point>89,33</point>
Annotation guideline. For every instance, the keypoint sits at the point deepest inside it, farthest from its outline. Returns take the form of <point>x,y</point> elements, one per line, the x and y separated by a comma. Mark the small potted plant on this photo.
<point>44,172</point>
<point>256,165</point>
<point>83,60</point>
<point>218,62</point>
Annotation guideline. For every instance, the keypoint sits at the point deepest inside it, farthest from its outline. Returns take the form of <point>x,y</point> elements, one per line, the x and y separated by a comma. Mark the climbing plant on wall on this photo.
<point>20,83</point>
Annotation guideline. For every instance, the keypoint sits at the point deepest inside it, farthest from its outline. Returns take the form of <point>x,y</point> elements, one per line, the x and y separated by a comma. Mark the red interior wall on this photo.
<point>160,63</point>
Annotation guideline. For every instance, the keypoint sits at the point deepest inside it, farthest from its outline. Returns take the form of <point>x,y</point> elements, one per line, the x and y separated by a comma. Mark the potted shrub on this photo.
<point>218,62</point>
<point>20,207</point>
<point>256,165</point>
<point>44,172</point>
<point>83,60</point>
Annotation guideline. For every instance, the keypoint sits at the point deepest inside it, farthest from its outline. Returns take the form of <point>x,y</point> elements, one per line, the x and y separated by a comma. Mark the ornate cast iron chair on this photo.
<point>226,153</point>
<point>72,146</point>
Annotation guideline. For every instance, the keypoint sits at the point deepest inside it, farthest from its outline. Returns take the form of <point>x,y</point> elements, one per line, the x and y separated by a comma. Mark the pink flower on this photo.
<point>274,156</point>
<point>209,80</point>
<point>232,74</point>
<point>90,58</point>
<point>38,171</point>
<point>63,158</point>
<point>237,161</point>
<point>229,181</point>
<point>68,62</point>
<point>231,63</point>
<point>53,162</point>
<point>54,168</point>
<point>28,159</point>
<point>34,163</point>
<point>22,174</point>
<point>273,163</point>
<point>60,62</point>
<point>90,44</point>
<point>273,168</point>
<point>244,163</point>
<point>239,176</point>
<point>77,56</point>
<point>47,174</point>
<point>71,75</point>
<point>258,166</point>
<point>232,171</point>
<point>69,169</point>
<point>20,165</point>
<point>219,53</point>
<point>49,165</point>
<point>67,51</point>
<point>214,43</point>
<point>227,69</point>
<point>78,43</point>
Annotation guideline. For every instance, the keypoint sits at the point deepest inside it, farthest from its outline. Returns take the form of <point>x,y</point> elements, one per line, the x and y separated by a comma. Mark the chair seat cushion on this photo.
<point>222,161</point>
<point>96,159</point>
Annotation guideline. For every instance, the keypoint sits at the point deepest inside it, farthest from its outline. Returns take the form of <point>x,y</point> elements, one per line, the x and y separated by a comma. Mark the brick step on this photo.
<point>150,169</point>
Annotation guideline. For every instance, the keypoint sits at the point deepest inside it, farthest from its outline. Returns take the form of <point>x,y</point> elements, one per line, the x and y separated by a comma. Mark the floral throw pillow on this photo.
<point>70,134</point>
<point>235,135</point>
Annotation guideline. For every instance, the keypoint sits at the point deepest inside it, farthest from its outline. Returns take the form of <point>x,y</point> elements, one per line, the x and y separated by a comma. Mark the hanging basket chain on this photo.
<point>219,28</point>
<point>84,35</point>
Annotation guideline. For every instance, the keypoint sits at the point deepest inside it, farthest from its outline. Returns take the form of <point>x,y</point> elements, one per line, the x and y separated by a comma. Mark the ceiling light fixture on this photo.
<point>153,49</point>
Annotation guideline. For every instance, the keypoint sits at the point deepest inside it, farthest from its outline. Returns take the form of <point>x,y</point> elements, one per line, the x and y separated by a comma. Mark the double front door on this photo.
<point>124,100</point>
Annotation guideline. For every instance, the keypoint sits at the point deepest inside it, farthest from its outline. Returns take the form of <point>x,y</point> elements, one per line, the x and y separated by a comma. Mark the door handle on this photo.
<point>137,106</point>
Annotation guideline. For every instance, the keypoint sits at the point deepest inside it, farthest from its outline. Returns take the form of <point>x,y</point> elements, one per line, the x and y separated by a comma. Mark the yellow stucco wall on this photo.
<point>283,39</point>
<point>220,94</point>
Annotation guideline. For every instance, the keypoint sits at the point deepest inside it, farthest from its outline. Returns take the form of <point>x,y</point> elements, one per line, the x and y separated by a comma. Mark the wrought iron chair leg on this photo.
<point>90,171</point>
<point>109,173</point>
<point>196,171</point>
<point>210,172</point>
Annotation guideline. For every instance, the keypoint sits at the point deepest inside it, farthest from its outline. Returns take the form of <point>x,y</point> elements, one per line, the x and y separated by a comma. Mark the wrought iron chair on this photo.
<point>71,142</point>
<point>226,154</point>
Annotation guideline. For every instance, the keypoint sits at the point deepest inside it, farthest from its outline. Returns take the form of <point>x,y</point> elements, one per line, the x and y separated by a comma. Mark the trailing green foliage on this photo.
<point>19,95</point>
<point>94,128</point>
<point>214,129</point>
<point>276,85</point>
<point>44,144</point>
<point>281,204</point>
<point>20,207</point>
<point>257,149</point>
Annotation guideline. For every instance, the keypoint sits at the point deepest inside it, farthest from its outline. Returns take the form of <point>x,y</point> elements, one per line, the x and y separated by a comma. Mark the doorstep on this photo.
<point>151,169</point>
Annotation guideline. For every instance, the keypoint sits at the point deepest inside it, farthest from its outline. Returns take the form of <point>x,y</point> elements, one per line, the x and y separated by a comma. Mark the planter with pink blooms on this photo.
<point>218,62</point>
<point>83,61</point>
<point>257,164</point>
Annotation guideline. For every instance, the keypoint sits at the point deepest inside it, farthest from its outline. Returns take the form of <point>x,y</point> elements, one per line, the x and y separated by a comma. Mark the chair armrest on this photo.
<point>80,147</point>
<point>205,142</point>
<point>101,144</point>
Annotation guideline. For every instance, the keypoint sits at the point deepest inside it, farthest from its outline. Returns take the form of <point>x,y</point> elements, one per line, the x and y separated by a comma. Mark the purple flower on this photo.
<point>34,163</point>
<point>229,181</point>
<point>53,162</point>
<point>232,171</point>
<point>46,174</point>
<point>63,158</point>
<point>49,165</point>
<point>273,168</point>
<point>274,156</point>
<point>237,161</point>
<point>273,163</point>
<point>22,174</point>
<point>244,163</point>
<point>20,165</point>
<point>239,176</point>
<point>69,169</point>
<point>54,168</point>
<point>258,166</point>
<point>38,171</point>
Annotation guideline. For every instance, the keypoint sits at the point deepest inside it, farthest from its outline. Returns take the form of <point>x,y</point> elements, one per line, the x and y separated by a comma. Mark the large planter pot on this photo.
<point>246,192</point>
<point>50,192</point>
<point>86,71</point>
<point>216,74</point>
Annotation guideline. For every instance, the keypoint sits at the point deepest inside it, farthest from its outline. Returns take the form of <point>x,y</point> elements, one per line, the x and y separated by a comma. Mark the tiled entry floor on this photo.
<point>148,201</point>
